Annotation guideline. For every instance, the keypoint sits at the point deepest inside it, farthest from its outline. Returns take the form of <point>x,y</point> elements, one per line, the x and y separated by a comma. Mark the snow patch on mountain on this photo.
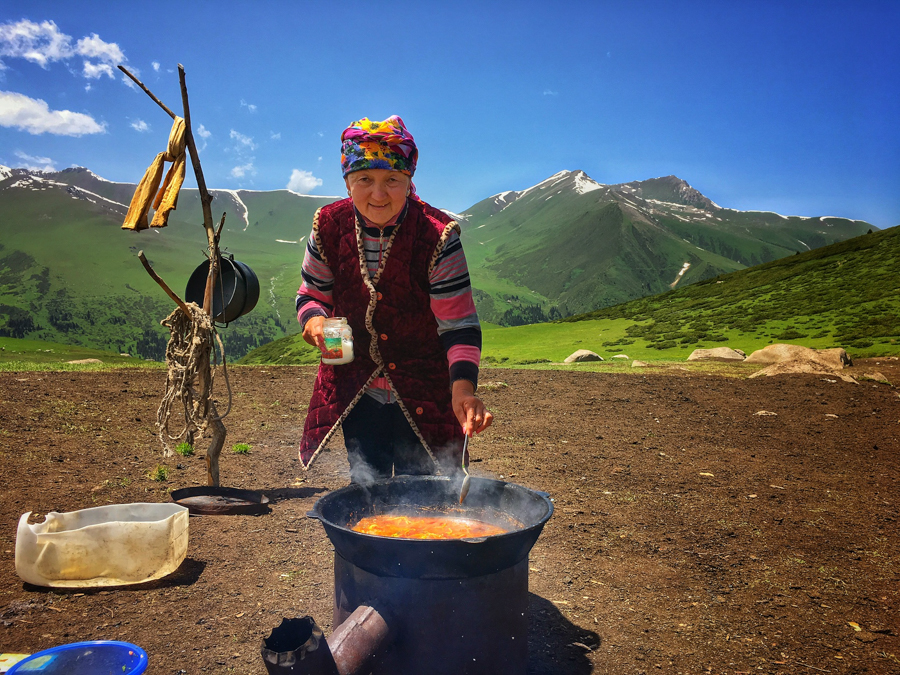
<point>456,216</point>
<point>5,172</point>
<point>241,207</point>
<point>544,184</point>
<point>584,183</point>
<point>684,268</point>
<point>502,199</point>
<point>771,213</point>
<point>93,197</point>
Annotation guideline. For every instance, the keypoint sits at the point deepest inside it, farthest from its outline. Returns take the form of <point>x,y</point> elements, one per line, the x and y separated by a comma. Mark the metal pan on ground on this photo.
<point>221,501</point>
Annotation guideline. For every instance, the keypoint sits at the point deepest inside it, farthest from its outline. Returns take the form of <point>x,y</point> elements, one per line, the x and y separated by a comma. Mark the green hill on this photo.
<point>842,295</point>
<point>70,274</point>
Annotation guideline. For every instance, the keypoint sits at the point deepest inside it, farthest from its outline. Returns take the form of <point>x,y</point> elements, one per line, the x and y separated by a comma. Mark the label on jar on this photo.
<point>334,348</point>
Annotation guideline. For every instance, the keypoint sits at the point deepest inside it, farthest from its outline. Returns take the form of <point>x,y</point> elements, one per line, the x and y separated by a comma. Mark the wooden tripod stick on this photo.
<point>163,284</point>
<point>212,236</point>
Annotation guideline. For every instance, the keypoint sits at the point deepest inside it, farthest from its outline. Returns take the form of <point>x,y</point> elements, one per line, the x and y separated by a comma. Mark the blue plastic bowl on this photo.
<point>99,657</point>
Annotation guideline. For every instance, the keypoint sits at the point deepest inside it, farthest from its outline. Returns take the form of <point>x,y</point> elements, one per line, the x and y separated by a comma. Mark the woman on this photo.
<point>394,266</point>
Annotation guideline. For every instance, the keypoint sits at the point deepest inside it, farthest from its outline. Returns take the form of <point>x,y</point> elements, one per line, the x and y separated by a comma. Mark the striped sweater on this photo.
<point>451,300</point>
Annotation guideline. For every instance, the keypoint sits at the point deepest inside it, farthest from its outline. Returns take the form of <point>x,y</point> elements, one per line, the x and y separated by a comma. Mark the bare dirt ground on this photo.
<point>693,533</point>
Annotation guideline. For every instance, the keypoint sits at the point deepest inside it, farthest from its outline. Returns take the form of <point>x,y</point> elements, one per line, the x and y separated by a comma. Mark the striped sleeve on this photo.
<point>454,309</point>
<point>314,297</point>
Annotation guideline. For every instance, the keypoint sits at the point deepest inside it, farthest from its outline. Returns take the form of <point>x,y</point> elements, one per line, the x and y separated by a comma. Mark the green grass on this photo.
<point>159,473</point>
<point>241,448</point>
<point>184,449</point>
<point>29,355</point>
<point>289,350</point>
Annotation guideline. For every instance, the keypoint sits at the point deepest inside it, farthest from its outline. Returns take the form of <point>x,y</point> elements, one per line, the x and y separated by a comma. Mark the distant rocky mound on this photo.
<point>717,354</point>
<point>784,359</point>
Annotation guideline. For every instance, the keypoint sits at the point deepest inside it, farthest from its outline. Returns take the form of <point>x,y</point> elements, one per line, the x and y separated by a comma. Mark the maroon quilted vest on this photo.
<point>394,329</point>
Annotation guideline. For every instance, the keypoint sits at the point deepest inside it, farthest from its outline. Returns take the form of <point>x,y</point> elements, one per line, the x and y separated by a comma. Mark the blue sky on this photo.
<point>785,106</point>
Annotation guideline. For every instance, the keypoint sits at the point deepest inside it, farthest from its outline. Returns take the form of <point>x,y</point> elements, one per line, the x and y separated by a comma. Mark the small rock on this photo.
<point>865,636</point>
<point>621,356</point>
<point>639,364</point>
<point>85,361</point>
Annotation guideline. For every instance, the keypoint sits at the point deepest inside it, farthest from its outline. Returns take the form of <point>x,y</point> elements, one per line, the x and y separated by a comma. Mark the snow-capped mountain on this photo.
<point>577,244</point>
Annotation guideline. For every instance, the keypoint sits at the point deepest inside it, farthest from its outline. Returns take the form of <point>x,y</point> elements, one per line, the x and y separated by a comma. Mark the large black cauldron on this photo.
<point>507,505</point>
<point>442,607</point>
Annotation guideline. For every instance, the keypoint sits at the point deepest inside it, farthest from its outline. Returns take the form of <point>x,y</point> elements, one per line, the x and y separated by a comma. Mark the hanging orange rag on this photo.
<point>167,196</point>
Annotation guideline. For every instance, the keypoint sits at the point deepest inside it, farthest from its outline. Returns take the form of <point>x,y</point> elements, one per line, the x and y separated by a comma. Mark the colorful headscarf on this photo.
<point>378,145</point>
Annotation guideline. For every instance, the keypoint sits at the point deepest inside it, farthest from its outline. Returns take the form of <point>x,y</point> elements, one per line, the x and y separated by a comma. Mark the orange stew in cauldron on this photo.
<point>426,527</point>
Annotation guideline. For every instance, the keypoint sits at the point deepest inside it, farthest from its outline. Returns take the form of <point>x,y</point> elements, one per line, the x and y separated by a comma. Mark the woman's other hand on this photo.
<point>469,409</point>
<point>313,332</point>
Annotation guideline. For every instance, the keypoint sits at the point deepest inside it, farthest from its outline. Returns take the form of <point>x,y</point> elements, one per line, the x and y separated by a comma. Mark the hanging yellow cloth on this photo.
<point>167,196</point>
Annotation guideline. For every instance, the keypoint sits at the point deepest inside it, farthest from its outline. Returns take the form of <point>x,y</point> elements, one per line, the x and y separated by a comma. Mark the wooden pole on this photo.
<point>205,371</point>
<point>212,237</point>
<point>163,284</point>
<point>147,91</point>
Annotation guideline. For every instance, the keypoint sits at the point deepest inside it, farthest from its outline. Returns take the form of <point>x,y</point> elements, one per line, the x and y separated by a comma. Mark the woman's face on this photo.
<point>378,194</point>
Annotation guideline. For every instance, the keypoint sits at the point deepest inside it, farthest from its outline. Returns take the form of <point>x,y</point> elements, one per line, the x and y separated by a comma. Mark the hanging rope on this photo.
<point>190,346</point>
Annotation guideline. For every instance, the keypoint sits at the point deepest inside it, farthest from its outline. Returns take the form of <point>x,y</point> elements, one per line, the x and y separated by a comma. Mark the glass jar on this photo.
<point>338,341</point>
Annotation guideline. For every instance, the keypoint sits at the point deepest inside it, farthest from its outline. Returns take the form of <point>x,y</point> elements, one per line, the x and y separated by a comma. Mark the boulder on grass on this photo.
<point>639,364</point>
<point>836,357</point>
<point>784,359</point>
<point>717,354</point>
<point>582,356</point>
<point>621,356</point>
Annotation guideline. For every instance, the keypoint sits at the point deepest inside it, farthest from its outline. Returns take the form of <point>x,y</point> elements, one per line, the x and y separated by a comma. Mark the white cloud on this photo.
<point>39,43</point>
<point>249,106</point>
<point>303,181</point>
<point>244,169</point>
<point>34,116</point>
<point>34,163</point>
<point>105,55</point>
<point>203,133</point>
<point>549,92</point>
<point>155,65</point>
<point>243,142</point>
<point>44,43</point>
<point>93,71</point>
<point>140,125</point>
<point>276,137</point>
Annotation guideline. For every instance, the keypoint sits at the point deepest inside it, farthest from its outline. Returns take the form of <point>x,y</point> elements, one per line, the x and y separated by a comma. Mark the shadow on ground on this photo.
<point>555,644</point>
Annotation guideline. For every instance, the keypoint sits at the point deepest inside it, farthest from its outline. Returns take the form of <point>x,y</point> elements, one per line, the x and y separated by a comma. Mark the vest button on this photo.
<point>392,366</point>
<point>419,411</point>
<point>379,296</point>
<point>384,336</point>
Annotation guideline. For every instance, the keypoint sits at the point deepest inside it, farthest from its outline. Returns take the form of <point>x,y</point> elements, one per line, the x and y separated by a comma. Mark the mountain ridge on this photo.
<point>565,245</point>
<point>664,232</point>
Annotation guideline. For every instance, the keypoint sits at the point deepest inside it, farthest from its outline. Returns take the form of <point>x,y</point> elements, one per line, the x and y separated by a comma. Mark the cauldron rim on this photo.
<point>436,558</point>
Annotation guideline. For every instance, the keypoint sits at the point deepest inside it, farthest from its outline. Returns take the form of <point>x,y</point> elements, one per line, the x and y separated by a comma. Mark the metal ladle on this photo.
<point>464,490</point>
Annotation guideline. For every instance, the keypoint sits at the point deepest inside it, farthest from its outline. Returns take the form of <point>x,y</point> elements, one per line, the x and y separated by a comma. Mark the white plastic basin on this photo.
<point>103,546</point>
